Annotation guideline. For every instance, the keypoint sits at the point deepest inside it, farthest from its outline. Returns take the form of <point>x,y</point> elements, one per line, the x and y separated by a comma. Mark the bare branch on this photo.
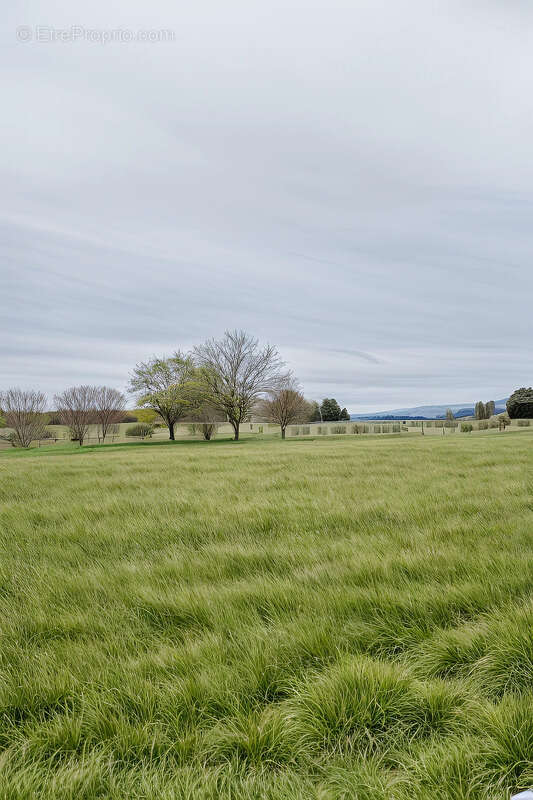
<point>76,407</point>
<point>285,404</point>
<point>109,408</point>
<point>24,412</point>
<point>237,372</point>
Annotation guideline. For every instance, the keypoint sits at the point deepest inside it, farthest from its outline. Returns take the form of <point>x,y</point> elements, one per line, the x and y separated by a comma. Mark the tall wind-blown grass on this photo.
<point>348,618</point>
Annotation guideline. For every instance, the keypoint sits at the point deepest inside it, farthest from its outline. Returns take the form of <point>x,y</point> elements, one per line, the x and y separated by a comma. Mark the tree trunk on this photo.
<point>283,433</point>
<point>236,429</point>
<point>171,431</point>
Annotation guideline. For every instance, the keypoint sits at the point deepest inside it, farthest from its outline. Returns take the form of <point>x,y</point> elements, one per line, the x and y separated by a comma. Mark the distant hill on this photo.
<point>429,412</point>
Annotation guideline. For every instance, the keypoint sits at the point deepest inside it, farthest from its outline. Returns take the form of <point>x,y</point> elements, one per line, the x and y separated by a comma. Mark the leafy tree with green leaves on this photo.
<point>503,421</point>
<point>344,415</point>
<point>484,410</point>
<point>168,386</point>
<point>490,408</point>
<point>479,411</point>
<point>147,415</point>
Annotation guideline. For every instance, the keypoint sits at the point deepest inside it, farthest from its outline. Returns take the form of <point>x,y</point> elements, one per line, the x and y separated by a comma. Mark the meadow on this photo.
<point>322,618</point>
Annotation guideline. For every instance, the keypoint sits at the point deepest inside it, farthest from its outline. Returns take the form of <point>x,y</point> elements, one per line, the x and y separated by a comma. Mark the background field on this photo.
<point>330,618</point>
<point>184,430</point>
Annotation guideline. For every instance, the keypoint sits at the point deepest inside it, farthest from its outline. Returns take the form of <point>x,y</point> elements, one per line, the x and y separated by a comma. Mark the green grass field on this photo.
<point>334,618</point>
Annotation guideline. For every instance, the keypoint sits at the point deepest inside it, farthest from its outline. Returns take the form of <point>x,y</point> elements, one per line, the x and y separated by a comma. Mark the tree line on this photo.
<point>24,411</point>
<point>221,380</point>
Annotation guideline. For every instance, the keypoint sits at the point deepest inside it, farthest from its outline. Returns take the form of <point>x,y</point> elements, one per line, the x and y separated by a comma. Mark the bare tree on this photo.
<point>77,407</point>
<point>236,373</point>
<point>285,404</point>
<point>109,405</point>
<point>24,412</point>
<point>169,386</point>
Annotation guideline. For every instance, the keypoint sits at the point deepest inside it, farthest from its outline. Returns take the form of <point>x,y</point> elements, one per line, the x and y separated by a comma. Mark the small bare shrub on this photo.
<point>142,429</point>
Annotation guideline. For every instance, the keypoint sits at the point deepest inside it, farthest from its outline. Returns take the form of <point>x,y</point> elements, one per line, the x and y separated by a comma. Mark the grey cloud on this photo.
<point>351,181</point>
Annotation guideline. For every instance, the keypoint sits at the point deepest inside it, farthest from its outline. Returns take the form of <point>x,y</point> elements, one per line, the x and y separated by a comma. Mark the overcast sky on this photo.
<point>351,181</point>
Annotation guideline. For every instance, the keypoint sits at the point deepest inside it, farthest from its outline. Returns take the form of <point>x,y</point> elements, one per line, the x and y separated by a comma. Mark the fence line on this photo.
<point>430,427</point>
<point>355,427</point>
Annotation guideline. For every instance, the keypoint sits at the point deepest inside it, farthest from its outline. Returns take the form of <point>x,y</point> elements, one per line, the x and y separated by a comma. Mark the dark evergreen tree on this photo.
<point>330,409</point>
<point>520,404</point>
<point>344,415</point>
